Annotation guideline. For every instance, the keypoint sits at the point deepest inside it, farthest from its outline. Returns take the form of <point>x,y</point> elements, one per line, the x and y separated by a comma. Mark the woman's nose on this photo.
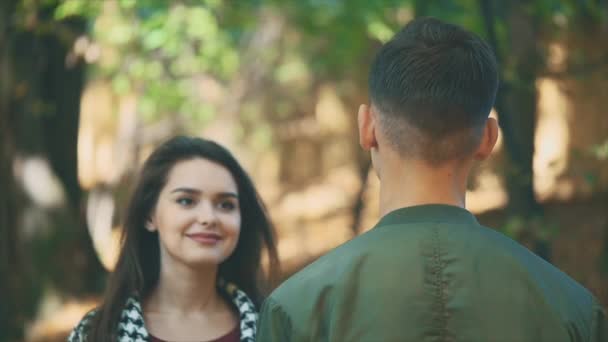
<point>206,214</point>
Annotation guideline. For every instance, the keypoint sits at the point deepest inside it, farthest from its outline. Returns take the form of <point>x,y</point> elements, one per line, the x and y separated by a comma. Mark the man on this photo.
<point>428,271</point>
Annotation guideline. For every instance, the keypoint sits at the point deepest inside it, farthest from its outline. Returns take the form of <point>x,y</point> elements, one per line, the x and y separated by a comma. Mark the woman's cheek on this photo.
<point>235,223</point>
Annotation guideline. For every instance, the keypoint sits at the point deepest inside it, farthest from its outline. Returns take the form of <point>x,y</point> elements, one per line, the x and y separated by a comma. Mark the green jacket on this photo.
<point>431,273</point>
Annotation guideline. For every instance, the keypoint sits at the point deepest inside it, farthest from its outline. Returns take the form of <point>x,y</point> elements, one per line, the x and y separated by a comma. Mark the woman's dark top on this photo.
<point>233,336</point>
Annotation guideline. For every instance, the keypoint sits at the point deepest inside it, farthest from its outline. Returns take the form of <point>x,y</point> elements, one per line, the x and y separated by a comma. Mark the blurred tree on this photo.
<point>335,41</point>
<point>160,50</point>
<point>264,65</point>
<point>41,86</point>
<point>11,273</point>
<point>511,29</point>
<point>516,106</point>
<point>520,33</point>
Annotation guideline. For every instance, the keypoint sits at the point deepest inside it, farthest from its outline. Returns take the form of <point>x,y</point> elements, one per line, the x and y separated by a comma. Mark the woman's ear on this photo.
<point>150,226</point>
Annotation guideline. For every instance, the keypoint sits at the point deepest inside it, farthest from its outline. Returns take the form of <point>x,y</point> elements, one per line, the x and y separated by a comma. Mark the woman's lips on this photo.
<point>205,238</point>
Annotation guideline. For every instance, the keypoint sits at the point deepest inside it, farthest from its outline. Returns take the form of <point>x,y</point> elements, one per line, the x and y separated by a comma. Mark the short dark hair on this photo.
<point>138,266</point>
<point>434,85</point>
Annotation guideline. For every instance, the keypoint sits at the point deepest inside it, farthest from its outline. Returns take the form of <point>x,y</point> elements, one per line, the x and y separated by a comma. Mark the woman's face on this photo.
<point>197,215</point>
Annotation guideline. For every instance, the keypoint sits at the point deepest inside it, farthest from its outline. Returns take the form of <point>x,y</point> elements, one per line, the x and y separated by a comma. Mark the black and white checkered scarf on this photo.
<point>131,327</point>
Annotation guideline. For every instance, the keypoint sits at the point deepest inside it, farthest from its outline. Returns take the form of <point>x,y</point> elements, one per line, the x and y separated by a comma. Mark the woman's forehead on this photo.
<point>201,174</point>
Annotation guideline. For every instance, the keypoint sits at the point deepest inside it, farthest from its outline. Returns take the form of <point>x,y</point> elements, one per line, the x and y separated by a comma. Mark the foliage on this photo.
<point>600,151</point>
<point>334,37</point>
<point>160,50</point>
<point>157,49</point>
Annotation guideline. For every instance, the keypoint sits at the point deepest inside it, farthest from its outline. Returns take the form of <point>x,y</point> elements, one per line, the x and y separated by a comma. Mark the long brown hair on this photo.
<point>138,266</point>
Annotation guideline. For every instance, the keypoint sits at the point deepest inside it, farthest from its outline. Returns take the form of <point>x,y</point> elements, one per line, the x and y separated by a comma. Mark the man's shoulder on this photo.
<point>323,273</point>
<point>511,261</point>
<point>384,244</point>
<point>413,247</point>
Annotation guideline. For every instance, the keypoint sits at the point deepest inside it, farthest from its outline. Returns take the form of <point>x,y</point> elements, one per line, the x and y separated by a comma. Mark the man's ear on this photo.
<point>488,139</point>
<point>367,128</point>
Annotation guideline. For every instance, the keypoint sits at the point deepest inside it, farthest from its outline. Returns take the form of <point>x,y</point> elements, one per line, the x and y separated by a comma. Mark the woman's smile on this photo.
<point>209,239</point>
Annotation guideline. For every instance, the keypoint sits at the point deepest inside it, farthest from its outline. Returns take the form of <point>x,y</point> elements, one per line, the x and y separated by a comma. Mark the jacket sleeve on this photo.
<point>599,325</point>
<point>274,324</point>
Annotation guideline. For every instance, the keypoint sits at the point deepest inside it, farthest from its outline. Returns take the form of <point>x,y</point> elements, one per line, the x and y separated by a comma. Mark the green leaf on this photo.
<point>147,108</point>
<point>203,113</point>
<point>262,136</point>
<point>379,30</point>
<point>292,70</point>
<point>121,84</point>
<point>121,34</point>
<point>154,39</point>
<point>201,24</point>
<point>229,63</point>
<point>69,8</point>
<point>128,4</point>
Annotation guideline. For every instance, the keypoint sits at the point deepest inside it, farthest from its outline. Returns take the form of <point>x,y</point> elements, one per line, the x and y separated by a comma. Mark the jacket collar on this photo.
<point>430,213</point>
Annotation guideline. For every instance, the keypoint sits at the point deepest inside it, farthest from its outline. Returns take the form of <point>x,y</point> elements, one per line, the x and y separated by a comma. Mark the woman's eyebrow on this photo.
<point>228,194</point>
<point>198,192</point>
<point>187,190</point>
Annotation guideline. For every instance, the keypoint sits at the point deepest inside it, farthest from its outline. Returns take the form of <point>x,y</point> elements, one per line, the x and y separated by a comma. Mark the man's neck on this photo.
<point>411,183</point>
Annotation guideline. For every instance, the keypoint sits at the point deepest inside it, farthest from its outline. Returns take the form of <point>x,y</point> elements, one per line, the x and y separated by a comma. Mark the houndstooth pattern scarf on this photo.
<point>131,327</point>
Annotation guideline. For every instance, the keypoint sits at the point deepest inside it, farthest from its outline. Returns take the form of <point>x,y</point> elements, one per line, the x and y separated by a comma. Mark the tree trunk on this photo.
<point>520,100</point>
<point>12,310</point>
<point>49,115</point>
<point>516,104</point>
<point>39,114</point>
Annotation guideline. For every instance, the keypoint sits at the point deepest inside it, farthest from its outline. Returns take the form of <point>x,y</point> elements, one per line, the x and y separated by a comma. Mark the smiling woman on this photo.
<point>197,218</point>
<point>189,266</point>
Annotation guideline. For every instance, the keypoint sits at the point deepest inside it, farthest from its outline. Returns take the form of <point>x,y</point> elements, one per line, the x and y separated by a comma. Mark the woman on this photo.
<point>189,266</point>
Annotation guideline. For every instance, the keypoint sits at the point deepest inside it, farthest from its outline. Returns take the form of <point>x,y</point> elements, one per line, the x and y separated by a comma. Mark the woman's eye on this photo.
<point>227,205</point>
<point>185,201</point>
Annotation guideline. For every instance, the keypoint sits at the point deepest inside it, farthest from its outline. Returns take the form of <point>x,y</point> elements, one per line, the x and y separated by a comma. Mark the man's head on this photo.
<point>432,87</point>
